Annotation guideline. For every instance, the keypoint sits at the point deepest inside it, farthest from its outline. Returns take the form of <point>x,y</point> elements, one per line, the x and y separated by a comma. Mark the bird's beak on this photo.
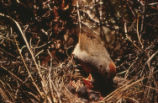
<point>112,68</point>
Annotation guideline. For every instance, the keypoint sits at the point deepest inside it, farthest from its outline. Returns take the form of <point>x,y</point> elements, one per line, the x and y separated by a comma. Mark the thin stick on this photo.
<point>78,13</point>
<point>118,91</point>
<point>14,22</point>
<point>128,37</point>
<point>22,58</point>
<point>138,34</point>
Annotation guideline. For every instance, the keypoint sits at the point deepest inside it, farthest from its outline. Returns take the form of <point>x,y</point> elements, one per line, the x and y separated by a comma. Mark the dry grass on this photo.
<point>35,63</point>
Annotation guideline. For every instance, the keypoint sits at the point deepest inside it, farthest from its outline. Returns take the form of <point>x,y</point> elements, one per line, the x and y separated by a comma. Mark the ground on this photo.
<point>37,38</point>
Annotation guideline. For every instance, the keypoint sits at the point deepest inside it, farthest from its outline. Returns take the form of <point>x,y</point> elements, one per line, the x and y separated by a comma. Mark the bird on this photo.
<point>93,57</point>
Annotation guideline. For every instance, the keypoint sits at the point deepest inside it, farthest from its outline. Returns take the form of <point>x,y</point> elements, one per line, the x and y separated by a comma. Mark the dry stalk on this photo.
<point>12,74</point>
<point>138,34</point>
<point>127,71</point>
<point>78,14</point>
<point>4,96</point>
<point>30,75</point>
<point>150,77</point>
<point>151,57</point>
<point>17,26</point>
<point>129,38</point>
<point>118,93</point>
<point>50,83</point>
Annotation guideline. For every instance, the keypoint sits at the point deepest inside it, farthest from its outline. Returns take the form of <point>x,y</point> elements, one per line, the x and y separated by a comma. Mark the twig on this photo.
<point>138,34</point>
<point>150,76</point>
<point>4,96</point>
<point>120,90</point>
<point>12,74</point>
<point>33,81</point>
<point>17,26</point>
<point>49,77</point>
<point>78,13</point>
<point>128,38</point>
<point>151,57</point>
<point>132,11</point>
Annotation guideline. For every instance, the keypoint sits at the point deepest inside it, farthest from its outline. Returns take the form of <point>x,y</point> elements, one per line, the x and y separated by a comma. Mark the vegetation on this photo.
<point>37,38</point>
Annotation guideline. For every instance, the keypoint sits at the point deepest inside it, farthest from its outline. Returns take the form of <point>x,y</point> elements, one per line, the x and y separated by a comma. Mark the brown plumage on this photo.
<point>93,56</point>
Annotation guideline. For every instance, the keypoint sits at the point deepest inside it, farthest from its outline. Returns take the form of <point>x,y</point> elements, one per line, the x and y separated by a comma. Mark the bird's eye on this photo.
<point>100,66</point>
